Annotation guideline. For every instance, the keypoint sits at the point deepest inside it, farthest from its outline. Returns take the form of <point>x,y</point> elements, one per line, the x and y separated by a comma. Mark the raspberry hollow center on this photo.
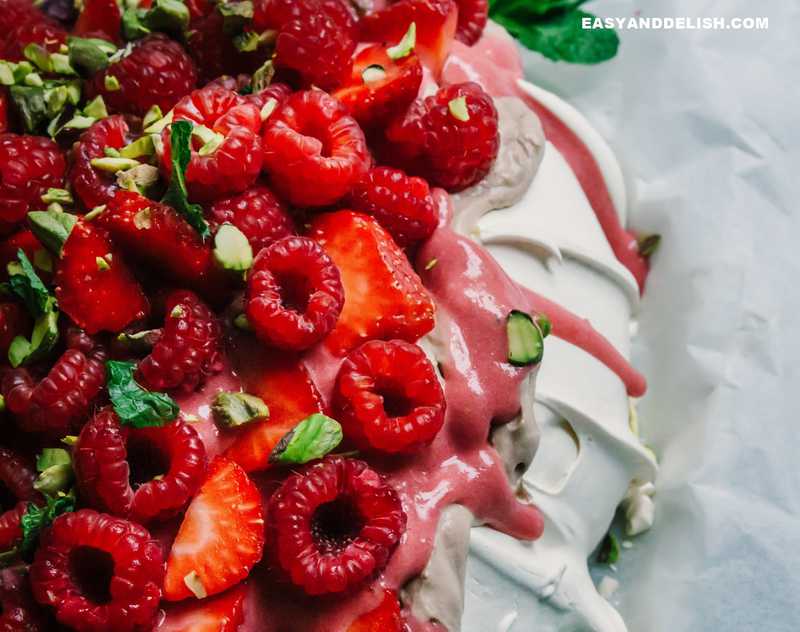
<point>146,461</point>
<point>336,524</point>
<point>395,403</point>
<point>92,570</point>
<point>7,499</point>
<point>294,292</point>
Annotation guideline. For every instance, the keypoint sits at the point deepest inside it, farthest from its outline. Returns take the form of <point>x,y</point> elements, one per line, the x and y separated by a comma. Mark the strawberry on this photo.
<point>384,297</point>
<point>221,537</point>
<point>100,18</point>
<point>156,234</point>
<point>436,22</point>
<point>223,613</point>
<point>286,387</point>
<point>385,618</point>
<point>94,285</point>
<point>373,101</point>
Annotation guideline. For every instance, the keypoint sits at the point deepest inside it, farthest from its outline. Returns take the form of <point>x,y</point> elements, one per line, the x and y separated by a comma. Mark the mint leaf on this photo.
<point>609,550</point>
<point>27,285</point>
<point>311,439</point>
<point>38,518</point>
<point>134,405</point>
<point>177,196</point>
<point>554,28</point>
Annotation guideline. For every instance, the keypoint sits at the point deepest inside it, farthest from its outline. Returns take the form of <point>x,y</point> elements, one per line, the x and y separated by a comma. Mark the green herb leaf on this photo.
<point>133,26</point>
<point>554,28</point>
<point>52,228</point>
<point>312,438</point>
<point>177,195</point>
<point>525,339</point>
<point>236,409</point>
<point>609,550</point>
<point>648,244</point>
<point>29,287</point>
<point>134,405</point>
<point>36,519</point>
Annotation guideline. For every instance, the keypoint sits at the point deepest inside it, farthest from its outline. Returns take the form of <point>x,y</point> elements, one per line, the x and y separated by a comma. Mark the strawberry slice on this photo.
<point>379,86</point>
<point>157,235</point>
<point>223,613</point>
<point>284,384</point>
<point>384,297</point>
<point>94,285</point>
<point>385,618</point>
<point>436,22</point>
<point>221,537</point>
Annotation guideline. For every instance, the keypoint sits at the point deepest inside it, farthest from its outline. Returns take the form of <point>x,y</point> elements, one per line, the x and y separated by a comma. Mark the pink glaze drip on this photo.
<point>494,62</point>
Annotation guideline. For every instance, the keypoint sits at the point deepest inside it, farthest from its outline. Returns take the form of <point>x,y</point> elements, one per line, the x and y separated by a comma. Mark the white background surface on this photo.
<point>706,125</point>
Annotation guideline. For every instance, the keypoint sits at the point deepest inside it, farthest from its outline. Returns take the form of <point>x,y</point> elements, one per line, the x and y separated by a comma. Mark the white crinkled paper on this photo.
<point>706,126</point>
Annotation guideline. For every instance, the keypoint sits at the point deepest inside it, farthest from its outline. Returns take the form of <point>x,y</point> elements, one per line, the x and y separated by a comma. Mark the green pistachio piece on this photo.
<point>232,251</point>
<point>236,409</point>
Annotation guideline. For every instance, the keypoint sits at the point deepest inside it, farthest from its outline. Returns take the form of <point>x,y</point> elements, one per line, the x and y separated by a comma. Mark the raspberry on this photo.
<point>472,18</point>
<point>5,116</point>
<point>38,30</point>
<point>108,455</point>
<point>16,479</point>
<point>92,186</point>
<point>99,573</point>
<point>373,103</point>
<point>279,92</point>
<point>275,14</point>
<point>213,51</point>
<point>334,525</point>
<point>402,205</point>
<point>388,397</point>
<point>60,402</point>
<point>15,12</point>
<point>294,294</point>
<point>29,165</point>
<point>316,50</point>
<point>260,215</point>
<point>14,321</point>
<point>234,165</point>
<point>188,349</point>
<point>100,18</point>
<point>18,611</point>
<point>157,72</point>
<point>450,152</point>
<point>313,151</point>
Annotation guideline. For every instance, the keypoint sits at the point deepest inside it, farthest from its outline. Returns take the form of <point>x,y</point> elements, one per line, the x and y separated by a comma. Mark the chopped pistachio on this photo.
<point>177,312</point>
<point>57,195</point>
<point>236,409</point>
<point>112,165</point>
<point>96,108</point>
<point>142,146</point>
<point>232,251</point>
<point>102,264</point>
<point>406,45</point>
<point>142,219</point>
<point>139,178</point>
<point>268,109</point>
<point>458,109</point>
<point>43,260</point>
<point>94,213</point>
<point>193,583</point>
<point>33,79</point>
<point>157,126</point>
<point>373,73</point>
<point>111,83</point>
<point>241,322</point>
<point>431,264</point>
<point>151,116</point>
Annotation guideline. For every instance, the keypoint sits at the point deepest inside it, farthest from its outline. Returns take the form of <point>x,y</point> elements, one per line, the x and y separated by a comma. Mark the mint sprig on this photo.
<point>554,28</point>
<point>36,519</point>
<point>136,406</point>
<point>311,439</point>
<point>177,195</point>
<point>26,284</point>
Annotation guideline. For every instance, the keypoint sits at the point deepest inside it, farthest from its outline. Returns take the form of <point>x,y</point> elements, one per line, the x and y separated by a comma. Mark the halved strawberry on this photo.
<point>223,613</point>
<point>384,297</point>
<point>94,285</point>
<point>379,86</point>
<point>282,381</point>
<point>436,22</point>
<point>221,537</point>
<point>157,235</point>
<point>385,618</point>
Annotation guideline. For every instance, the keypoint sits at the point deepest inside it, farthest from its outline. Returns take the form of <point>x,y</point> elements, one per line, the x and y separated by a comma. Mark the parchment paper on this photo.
<point>707,127</point>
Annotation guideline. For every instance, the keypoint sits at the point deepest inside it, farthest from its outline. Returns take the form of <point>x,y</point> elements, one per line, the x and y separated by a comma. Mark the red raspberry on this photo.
<point>97,297</point>
<point>14,321</point>
<point>472,18</point>
<point>374,103</point>
<point>334,525</point>
<point>100,18</point>
<point>401,204</point>
<point>294,294</point>
<point>233,166</point>
<point>278,91</point>
<point>157,72</point>
<point>108,455</point>
<point>15,12</point>
<point>38,30</point>
<point>313,151</point>
<point>60,402</point>
<point>188,349</point>
<point>275,14</point>
<point>5,117</point>
<point>157,235</point>
<point>92,186</point>
<point>316,50</point>
<point>388,397</point>
<point>23,239</point>
<point>260,215</point>
<point>18,610</point>
<point>99,573</point>
<point>16,477</point>
<point>450,152</point>
<point>29,165</point>
<point>213,51</point>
